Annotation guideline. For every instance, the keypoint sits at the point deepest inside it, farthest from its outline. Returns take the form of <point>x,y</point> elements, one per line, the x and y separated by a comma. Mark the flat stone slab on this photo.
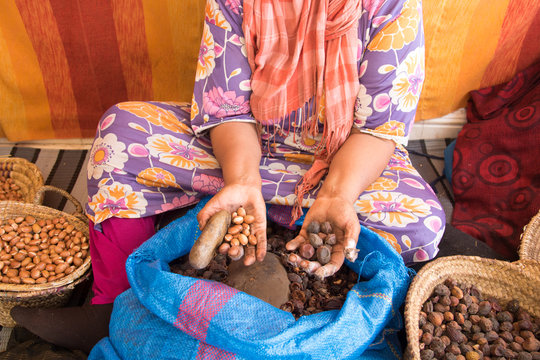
<point>265,280</point>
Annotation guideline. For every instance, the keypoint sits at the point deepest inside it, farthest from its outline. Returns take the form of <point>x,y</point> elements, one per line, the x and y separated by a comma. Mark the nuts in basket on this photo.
<point>36,251</point>
<point>8,189</point>
<point>456,322</point>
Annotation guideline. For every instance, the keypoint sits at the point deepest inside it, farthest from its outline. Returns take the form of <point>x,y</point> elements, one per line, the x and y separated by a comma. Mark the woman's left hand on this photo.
<point>344,220</point>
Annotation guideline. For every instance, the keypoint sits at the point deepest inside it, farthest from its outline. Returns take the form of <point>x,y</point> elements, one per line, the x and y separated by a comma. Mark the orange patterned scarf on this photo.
<point>298,49</point>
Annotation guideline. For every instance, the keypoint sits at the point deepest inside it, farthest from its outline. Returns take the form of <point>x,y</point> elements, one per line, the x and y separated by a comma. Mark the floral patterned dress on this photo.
<point>151,157</point>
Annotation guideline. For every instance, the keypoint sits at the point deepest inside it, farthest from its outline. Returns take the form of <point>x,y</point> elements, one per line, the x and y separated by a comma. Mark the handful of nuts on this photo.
<point>317,251</point>
<point>239,236</point>
<point>38,251</point>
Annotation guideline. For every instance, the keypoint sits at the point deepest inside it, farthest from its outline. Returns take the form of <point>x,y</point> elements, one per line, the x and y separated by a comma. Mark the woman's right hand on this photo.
<point>230,198</point>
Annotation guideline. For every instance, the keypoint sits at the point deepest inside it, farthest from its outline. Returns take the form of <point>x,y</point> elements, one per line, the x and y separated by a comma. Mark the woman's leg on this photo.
<point>400,206</point>
<point>110,249</point>
<point>145,161</point>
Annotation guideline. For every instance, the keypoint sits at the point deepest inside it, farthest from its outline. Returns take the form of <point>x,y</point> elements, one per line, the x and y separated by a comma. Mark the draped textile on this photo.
<point>64,63</point>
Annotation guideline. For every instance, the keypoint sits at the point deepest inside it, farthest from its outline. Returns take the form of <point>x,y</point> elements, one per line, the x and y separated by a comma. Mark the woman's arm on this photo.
<point>357,164</point>
<point>220,106</point>
<point>237,149</point>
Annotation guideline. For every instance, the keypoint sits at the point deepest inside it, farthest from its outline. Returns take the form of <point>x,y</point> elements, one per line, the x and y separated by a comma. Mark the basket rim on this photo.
<point>22,290</point>
<point>530,240</point>
<point>26,170</point>
<point>28,165</point>
<point>439,270</point>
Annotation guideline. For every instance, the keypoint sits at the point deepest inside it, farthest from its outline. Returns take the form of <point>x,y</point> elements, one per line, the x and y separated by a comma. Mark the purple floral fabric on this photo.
<point>151,157</point>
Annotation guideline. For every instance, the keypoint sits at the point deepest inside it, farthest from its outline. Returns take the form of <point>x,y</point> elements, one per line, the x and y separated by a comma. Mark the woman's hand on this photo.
<point>342,216</point>
<point>357,164</point>
<point>230,198</point>
<point>237,149</point>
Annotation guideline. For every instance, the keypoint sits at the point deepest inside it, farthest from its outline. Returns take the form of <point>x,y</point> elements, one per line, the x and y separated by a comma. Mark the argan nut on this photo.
<point>35,273</point>
<point>315,240</point>
<point>330,239</point>
<point>235,229</point>
<point>531,344</point>
<point>223,249</point>
<point>426,354</point>
<point>455,335</point>
<point>60,268</point>
<point>485,324</point>
<point>446,340</point>
<point>243,239</point>
<point>484,308</point>
<point>252,239</point>
<point>314,227</point>
<point>516,347</point>
<point>436,318</point>
<point>249,219</point>
<point>241,212</point>
<point>426,338</point>
<point>441,290</point>
<point>326,227</point>
<point>472,355</point>
<point>306,251</point>
<point>324,254</point>
<point>238,220</point>
<point>513,306</point>
<point>457,292</point>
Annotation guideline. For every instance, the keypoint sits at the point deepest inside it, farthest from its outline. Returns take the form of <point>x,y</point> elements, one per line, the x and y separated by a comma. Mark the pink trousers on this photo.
<point>110,249</point>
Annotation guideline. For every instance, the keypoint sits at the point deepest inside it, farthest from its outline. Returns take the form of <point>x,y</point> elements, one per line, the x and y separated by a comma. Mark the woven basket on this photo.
<point>530,240</point>
<point>502,280</point>
<point>25,174</point>
<point>51,294</point>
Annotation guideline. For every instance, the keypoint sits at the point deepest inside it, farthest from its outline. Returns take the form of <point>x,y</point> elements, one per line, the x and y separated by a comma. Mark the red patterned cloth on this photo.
<point>496,167</point>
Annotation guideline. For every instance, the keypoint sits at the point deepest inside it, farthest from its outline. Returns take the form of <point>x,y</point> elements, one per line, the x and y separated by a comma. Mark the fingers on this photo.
<point>259,230</point>
<point>350,238</point>
<point>249,257</point>
<point>295,243</point>
<point>206,213</point>
<point>261,247</point>
<point>308,266</point>
<point>336,261</point>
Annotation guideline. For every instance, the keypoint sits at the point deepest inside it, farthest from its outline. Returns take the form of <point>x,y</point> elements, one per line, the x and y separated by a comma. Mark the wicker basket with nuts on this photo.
<point>44,254</point>
<point>466,307</point>
<point>19,180</point>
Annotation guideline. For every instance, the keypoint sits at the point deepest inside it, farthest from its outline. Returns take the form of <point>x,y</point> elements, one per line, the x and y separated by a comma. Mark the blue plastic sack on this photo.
<point>169,316</point>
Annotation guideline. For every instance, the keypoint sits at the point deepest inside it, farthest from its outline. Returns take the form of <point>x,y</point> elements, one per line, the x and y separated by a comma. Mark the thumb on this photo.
<point>350,239</point>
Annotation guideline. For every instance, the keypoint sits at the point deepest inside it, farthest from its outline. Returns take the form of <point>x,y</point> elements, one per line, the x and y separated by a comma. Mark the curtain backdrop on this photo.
<point>63,63</point>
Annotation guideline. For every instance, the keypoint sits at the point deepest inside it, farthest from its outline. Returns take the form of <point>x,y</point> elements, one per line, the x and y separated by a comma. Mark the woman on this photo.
<point>299,104</point>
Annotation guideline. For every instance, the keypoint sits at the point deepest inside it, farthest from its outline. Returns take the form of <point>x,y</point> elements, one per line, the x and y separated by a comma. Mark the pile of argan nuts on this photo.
<point>39,251</point>
<point>238,235</point>
<point>308,295</point>
<point>456,322</point>
<point>8,189</point>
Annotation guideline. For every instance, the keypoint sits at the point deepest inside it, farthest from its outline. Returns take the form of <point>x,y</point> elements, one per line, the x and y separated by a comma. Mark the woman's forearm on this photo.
<point>237,149</point>
<point>357,164</point>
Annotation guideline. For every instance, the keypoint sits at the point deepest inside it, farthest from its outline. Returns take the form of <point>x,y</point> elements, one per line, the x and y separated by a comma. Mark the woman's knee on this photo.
<point>114,118</point>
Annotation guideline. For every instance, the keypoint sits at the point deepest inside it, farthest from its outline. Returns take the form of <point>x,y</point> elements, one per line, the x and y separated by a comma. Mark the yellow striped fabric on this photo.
<point>63,63</point>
